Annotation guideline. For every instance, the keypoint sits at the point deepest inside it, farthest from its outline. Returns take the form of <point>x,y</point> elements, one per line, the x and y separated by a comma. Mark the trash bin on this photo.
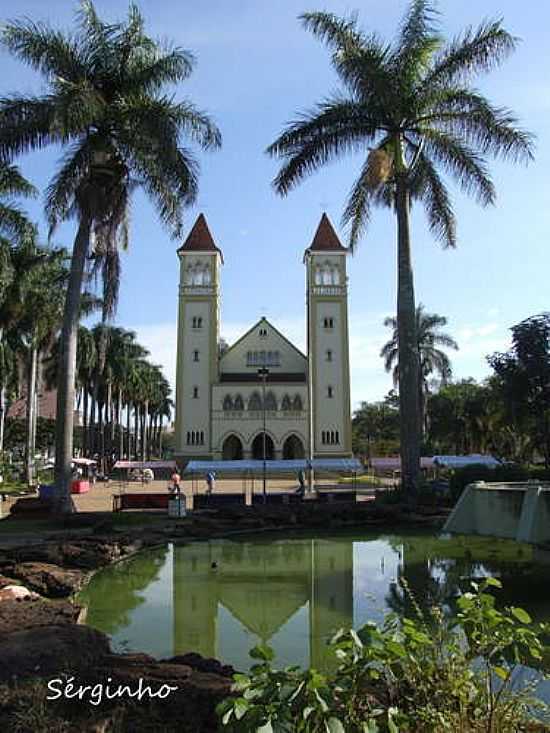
<point>46,492</point>
<point>177,507</point>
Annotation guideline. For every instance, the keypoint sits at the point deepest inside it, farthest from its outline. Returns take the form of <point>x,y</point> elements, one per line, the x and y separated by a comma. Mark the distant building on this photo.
<point>220,398</point>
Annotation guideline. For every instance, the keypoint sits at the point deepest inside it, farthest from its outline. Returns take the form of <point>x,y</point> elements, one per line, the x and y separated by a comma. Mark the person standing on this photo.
<point>175,479</point>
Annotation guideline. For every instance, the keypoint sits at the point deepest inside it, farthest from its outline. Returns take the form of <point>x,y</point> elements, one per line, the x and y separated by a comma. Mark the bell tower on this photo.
<point>328,344</point>
<point>198,335</point>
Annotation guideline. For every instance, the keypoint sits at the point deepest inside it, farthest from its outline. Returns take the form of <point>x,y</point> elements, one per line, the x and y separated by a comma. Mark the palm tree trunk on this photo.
<point>409,361</point>
<point>128,431</point>
<point>136,430</point>
<point>85,422</point>
<point>120,428</point>
<point>2,416</point>
<point>67,371</point>
<point>31,408</point>
<point>2,392</point>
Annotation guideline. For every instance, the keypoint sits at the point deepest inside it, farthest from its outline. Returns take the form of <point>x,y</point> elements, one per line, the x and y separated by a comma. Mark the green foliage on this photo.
<point>375,427</point>
<point>524,377</point>
<point>426,674</point>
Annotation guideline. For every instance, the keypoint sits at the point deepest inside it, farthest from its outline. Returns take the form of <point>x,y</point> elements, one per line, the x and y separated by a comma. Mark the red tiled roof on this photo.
<point>199,239</point>
<point>325,238</point>
<point>47,401</point>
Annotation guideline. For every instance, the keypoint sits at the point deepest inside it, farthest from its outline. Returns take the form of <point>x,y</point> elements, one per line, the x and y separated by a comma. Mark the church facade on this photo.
<point>259,390</point>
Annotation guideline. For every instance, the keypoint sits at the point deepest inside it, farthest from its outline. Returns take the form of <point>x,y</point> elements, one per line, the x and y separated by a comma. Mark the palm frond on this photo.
<point>475,50</point>
<point>463,163</point>
<point>427,186</point>
<point>494,130</point>
<point>13,183</point>
<point>44,49</point>
<point>334,128</point>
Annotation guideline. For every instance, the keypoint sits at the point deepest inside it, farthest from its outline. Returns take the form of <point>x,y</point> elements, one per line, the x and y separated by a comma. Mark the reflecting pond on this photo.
<point>222,597</point>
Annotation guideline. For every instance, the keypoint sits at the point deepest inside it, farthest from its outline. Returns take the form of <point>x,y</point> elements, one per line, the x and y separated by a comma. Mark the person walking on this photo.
<point>302,483</point>
<point>210,482</point>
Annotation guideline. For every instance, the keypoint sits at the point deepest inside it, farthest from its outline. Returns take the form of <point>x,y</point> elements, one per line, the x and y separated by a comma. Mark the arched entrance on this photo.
<point>258,448</point>
<point>293,448</point>
<point>232,449</point>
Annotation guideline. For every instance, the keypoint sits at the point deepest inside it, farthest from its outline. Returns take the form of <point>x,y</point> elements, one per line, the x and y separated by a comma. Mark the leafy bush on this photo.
<point>427,674</point>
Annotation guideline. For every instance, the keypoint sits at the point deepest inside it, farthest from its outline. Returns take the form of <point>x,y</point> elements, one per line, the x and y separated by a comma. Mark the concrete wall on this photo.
<point>518,511</point>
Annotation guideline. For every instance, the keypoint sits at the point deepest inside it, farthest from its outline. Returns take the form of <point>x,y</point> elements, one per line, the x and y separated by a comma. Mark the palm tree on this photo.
<point>15,230</point>
<point>432,359</point>
<point>105,103</point>
<point>411,111</point>
<point>15,227</point>
<point>36,331</point>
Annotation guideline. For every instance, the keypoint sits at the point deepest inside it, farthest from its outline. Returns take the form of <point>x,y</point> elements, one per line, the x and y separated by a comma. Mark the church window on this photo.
<point>197,322</point>
<point>202,437</point>
<point>286,404</point>
<point>330,391</point>
<point>195,355</point>
<point>297,403</point>
<point>263,358</point>
<point>335,276</point>
<point>328,323</point>
<point>318,276</point>
<point>239,403</point>
<point>262,333</point>
<point>255,402</point>
<point>227,402</point>
<point>329,354</point>
<point>323,437</point>
<point>270,401</point>
<point>195,392</point>
<point>188,438</point>
<point>337,437</point>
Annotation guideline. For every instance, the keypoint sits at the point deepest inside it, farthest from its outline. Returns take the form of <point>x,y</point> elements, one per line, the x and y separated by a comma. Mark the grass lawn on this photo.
<point>365,480</point>
<point>14,487</point>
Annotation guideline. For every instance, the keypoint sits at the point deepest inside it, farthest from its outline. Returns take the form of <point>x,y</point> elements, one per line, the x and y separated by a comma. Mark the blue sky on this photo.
<point>255,68</point>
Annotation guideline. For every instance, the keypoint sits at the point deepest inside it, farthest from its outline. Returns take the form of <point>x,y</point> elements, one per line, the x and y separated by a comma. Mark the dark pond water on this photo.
<point>293,593</point>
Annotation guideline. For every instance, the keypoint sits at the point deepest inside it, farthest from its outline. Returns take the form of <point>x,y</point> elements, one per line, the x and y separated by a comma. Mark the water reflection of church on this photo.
<point>257,590</point>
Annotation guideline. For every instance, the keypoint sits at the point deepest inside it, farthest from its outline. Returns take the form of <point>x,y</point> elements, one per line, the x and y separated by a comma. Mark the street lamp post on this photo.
<point>263,374</point>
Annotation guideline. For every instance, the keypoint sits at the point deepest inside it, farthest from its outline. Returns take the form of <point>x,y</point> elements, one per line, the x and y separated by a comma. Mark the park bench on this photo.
<point>213,501</point>
<point>276,499</point>
<point>140,501</point>
<point>337,495</point>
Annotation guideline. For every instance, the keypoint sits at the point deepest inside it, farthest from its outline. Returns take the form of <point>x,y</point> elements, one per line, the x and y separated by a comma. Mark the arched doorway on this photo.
<point>293,448</point>
<point>258,448</point>
<point>232,449</point>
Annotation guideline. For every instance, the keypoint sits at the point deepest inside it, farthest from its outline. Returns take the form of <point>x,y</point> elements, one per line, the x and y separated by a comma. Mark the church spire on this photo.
<point>199,239</point>
<point>326,239</point>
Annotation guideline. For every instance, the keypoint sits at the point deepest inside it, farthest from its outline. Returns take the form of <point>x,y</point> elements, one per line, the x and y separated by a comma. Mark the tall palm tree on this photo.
<point>411,111</point>
<point>15,230</point>
<point>105,103</point>
<point>36,331</point>
<point>432,359</point>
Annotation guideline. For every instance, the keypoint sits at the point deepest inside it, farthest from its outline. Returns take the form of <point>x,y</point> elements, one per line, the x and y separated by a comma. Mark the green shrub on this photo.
<point>427,674</point>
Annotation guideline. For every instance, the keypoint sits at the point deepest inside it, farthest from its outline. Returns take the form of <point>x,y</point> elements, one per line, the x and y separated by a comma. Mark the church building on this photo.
<point>226,400</point>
